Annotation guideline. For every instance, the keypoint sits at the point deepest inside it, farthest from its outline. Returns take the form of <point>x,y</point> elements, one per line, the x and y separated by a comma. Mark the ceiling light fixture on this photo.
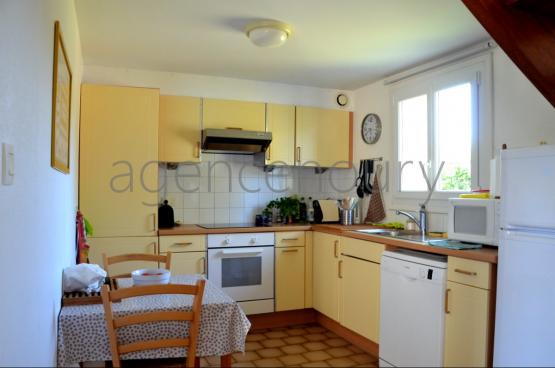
<point>268,33</point>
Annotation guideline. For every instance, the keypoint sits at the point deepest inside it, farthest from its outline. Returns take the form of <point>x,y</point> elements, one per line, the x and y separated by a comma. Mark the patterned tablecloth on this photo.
<point>82,334</point>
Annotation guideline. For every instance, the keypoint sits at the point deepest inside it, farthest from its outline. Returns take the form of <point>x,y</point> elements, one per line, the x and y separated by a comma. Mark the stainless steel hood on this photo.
<point>235,141</point>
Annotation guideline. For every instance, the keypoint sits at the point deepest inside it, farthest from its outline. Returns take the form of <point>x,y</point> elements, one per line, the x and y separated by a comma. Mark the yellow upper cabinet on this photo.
<point>323,137</point>
<point>179,132</point>
<point>118,173</point>
<point>224,114</point>
<point>280,121</point>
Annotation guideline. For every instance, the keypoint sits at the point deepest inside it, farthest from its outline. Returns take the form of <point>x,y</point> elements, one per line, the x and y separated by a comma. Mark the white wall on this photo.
<point>37,213</point>
<point>214,87</point>
<point>521,117</point>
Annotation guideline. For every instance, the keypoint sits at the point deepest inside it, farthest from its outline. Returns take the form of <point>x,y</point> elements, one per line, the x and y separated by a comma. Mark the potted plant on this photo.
<point>288,207</point>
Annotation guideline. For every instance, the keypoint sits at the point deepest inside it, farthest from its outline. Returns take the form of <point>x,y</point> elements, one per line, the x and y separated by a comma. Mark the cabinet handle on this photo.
<point>447,311</point>
<point>203,265</point>
<point>154,221</point>
<point>336,249</point>
<point>183,243</point>
<point>289,250</point>
<point>234,128</point>
<point>464,272</point>
<point>289,239</point>
<point>340,269</point>
<point>298,154</point>
<point>197,151</point>
<point>268,153</point>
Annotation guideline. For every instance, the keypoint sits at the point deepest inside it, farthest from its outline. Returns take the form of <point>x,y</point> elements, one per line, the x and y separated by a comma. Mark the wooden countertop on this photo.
<point>486,254</point>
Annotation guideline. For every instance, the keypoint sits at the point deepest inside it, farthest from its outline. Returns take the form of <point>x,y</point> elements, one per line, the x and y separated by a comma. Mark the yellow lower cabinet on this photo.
<point>123,245</point>
<point>290,278</point>
<point>360,296</point>
<point>187,263</point>
<point>466,326</point>
<point>325,283</point>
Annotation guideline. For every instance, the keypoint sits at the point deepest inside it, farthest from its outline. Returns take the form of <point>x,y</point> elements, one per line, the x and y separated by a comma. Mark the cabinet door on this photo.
<point>466,326</point>
<point>223,114</point>
<point>179,133</point>
<point>118,173</point>
<point>280,121</point>
<point>187,263</point>
<point>323,137</point>
<point>123,245</point>
<point>325,258</point>
<point>360,296</point>
<point>289,278</point>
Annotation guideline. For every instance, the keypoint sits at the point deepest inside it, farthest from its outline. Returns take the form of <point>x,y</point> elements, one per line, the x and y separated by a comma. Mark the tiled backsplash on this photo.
<point>230,189</point>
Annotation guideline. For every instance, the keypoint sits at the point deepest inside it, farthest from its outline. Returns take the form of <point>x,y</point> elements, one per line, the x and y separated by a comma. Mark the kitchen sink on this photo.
<point>400,234</point>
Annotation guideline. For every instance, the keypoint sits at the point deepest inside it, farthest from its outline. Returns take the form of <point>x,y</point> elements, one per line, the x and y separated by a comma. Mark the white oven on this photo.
<point>474,220</point>
<point>243,266</point>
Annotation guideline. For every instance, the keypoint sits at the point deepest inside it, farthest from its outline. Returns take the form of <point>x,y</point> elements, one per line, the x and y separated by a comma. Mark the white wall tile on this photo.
<point>221,215</point>
<point>221,200</point>
<point>236,200</point>
<point>206,200</point>
<point>206,216</point>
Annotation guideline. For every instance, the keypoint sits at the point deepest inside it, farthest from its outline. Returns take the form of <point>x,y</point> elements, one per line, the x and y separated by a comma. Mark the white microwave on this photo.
<point>474,220</point>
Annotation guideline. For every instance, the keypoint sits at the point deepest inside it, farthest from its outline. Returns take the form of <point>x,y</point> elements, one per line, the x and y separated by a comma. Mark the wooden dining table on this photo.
<point>82,334</point>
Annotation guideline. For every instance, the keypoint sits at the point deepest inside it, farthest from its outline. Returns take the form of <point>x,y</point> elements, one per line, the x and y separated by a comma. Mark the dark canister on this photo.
<point>165,216</point>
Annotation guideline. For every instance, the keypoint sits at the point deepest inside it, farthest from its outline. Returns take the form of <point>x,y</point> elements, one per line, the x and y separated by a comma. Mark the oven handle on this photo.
<point>241,251</point>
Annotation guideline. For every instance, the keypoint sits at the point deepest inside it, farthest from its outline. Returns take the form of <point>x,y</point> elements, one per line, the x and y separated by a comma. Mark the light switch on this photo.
<point>8,162</point>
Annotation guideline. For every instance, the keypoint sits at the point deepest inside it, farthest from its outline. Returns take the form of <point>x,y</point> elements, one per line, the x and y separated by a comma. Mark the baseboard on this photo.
<point>351,336</point>
<point>282,319</point>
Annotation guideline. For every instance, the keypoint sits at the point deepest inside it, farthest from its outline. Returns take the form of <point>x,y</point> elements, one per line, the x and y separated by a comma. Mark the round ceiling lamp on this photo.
<point>268,33</point>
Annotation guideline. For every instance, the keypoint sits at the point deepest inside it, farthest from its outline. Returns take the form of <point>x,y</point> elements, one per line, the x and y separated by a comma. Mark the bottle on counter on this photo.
<point>310,211</point>
<point>302,210</point>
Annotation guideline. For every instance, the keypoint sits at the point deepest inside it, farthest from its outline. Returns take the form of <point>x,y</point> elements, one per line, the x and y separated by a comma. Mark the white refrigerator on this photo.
<point>525,312</point>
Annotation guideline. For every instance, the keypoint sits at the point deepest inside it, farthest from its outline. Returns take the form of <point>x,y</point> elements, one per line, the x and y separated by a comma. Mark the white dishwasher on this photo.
<point>411,309</point>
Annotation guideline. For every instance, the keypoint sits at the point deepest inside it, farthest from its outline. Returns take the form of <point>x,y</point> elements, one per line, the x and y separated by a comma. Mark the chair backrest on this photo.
<point>112,324</point>
<point>166,259</point>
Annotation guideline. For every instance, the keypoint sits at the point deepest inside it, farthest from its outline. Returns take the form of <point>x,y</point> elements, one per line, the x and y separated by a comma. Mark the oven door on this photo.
<point>243,273</point>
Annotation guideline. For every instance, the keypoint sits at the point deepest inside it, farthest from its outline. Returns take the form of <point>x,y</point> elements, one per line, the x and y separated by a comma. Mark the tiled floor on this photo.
<point>305,345</point>
<point>296,346</point>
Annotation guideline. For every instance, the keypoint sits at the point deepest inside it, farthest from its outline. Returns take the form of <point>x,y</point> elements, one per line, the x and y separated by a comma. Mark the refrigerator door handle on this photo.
<point>542,231</point>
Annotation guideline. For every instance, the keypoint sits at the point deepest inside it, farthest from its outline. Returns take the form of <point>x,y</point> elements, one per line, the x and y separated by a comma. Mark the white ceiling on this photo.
<point>342,44</point>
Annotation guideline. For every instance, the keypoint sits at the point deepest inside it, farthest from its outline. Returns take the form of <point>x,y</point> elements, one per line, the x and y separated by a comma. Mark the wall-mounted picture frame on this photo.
<point>61,105</point>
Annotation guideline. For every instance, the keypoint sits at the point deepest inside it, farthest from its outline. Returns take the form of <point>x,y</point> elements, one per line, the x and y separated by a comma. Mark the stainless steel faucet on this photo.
<point>422,222</point>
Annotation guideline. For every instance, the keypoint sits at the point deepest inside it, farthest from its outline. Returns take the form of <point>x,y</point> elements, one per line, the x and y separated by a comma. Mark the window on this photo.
<point>440,118</point>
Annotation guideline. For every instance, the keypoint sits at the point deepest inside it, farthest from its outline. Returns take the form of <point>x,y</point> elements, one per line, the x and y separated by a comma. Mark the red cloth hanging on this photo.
<point>82,246</point>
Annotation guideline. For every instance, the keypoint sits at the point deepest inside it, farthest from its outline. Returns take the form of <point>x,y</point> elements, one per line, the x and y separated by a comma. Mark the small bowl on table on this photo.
<point>150,276</point>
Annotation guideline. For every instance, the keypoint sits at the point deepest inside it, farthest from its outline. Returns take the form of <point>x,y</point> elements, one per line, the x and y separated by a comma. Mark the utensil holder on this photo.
<point>346,217</point>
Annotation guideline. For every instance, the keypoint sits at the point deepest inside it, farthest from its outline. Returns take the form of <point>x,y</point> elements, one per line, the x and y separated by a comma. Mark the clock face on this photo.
<point>342,99</point>
<point>371,128</point>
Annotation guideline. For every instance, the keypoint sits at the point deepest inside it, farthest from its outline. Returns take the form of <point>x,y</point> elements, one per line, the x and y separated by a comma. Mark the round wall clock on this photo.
<point>342,99</point>
<point>371,128</point>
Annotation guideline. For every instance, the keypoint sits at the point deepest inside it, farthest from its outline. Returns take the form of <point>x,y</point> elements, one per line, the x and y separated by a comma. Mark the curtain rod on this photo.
<point>448,59</point>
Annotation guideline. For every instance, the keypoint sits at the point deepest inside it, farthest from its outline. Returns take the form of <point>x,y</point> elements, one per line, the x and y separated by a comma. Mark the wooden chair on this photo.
<point>108,296</point>
<point>107,261</point>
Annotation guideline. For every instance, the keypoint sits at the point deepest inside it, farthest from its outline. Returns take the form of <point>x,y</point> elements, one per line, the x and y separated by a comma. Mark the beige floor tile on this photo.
<point>339,352</point>
<point>316,337</point>
<point>363,358</point>
<point>292,340</point>
<point>316,356</point>
<point>275,334</point>
<point>296,332</point>
<point>293,360</point>
<point>341,362</point>
<point>315,345</point>
<point>256,337</point>
<point>248,356</point>
<point>316,329</point>
<point>335,343</point>
<point>293,349</point>
<point>272,343</point>
<point>331,335</point>
<point>253,345</point>
<point>213,361</point>
<point>316,364</point>
<point>269,353</point>
<point>243,364</point>
<point>272,362</point>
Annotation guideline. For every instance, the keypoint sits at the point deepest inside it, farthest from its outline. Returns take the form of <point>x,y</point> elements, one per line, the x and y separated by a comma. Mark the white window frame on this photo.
<point>478,70</point>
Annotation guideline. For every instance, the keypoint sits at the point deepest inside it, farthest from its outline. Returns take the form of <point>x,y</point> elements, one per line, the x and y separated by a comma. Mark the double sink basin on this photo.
<point>398,234</point>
